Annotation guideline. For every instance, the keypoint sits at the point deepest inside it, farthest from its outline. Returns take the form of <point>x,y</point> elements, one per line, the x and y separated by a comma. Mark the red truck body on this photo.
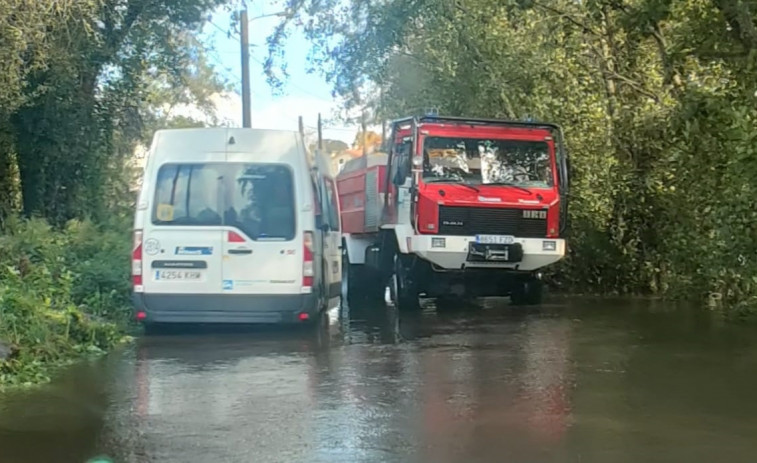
<point>482,203</point>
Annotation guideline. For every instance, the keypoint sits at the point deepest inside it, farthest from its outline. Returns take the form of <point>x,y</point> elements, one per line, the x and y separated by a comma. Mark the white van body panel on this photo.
<point>170,244</point>
<point>217,268</point>
<point>275,266</point>
<point>332,235</point>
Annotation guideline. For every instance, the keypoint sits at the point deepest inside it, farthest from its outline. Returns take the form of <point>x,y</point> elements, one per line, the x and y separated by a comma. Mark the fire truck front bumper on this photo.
<point>461,252</point>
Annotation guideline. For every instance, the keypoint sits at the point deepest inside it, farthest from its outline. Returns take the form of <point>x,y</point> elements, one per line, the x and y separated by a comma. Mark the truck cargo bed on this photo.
<point>362,187</point>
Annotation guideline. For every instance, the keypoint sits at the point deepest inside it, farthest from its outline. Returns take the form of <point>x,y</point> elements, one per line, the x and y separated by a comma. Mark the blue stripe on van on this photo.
<point>194,250</point>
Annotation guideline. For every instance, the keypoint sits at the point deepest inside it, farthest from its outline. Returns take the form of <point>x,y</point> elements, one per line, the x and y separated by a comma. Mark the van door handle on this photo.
<point>240,251</point>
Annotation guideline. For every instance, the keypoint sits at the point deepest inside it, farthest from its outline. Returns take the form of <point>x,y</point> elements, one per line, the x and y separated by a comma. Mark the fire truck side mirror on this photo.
<point>399,176</point>
<point>402,172</point>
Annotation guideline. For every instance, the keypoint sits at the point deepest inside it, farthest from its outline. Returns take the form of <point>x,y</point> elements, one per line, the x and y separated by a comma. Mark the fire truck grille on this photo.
<point>454,220</point>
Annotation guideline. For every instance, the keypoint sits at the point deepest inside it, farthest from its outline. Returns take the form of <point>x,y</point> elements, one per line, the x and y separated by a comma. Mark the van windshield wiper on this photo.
<point>456,181</point>
<point>510,185</point>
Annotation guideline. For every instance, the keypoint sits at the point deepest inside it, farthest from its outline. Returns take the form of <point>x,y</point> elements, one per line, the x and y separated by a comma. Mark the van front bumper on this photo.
<point>224,308</point>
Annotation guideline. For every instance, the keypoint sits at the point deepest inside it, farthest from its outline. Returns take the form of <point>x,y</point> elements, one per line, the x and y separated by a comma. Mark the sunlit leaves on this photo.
<point>657,98</point>
<point>78,83</point>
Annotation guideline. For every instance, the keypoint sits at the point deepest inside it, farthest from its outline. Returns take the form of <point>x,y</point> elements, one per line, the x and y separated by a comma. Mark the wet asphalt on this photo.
<point>575,380</point>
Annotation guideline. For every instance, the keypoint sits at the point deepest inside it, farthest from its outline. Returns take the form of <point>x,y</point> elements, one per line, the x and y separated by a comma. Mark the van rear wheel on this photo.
<point>153,329</point>
<point>350,280</point>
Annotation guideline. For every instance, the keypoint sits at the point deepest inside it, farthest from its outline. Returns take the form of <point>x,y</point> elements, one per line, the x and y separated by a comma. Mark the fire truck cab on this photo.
<point>458,208</point>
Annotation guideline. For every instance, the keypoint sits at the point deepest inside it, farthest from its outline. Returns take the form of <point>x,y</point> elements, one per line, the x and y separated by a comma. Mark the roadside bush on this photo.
<point>64,293</point>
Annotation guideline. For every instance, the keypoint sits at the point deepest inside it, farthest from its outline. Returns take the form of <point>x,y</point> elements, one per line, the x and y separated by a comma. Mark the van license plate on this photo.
<point>178,275</point>
<point>495,239</point>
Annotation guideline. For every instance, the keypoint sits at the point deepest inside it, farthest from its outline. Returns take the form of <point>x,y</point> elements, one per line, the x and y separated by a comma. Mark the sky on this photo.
<point>304,94</point>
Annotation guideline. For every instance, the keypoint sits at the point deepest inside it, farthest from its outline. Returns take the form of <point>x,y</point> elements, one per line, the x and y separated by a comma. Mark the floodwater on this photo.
<point>572,381</point>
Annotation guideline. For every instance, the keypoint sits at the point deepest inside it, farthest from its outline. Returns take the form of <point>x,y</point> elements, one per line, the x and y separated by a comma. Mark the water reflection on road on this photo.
<point>572,381</point>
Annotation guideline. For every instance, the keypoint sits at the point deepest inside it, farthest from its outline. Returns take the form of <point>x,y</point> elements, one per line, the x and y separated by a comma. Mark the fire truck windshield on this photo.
<point>487,161</point>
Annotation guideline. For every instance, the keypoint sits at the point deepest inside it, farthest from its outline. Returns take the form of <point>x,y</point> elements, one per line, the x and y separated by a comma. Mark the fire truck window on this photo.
<point>401,163</point>
<point>492,161</point>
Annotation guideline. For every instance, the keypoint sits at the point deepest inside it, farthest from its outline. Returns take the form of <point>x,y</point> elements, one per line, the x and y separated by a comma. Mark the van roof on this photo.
<point>195,143</point>
<point>209,130</point>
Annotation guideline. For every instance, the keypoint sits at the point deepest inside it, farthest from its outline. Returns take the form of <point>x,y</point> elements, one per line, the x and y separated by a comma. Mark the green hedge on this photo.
<point>64,294</point>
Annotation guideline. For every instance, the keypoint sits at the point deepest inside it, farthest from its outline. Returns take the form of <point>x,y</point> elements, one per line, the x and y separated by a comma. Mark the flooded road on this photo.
<point>572,381</point>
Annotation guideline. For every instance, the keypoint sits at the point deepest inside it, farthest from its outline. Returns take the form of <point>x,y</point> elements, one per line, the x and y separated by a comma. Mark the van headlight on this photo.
<point>549,245</point>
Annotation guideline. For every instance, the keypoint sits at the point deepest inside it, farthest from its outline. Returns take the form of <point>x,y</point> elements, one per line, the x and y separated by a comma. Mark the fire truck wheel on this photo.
<point>350,280</point>
<point>455,302</point>
<point>357,287</point>
<point>529,291</point>
<point>403,291</point>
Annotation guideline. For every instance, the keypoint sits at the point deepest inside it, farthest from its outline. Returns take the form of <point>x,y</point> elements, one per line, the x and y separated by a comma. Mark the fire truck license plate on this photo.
<point>495,239</point>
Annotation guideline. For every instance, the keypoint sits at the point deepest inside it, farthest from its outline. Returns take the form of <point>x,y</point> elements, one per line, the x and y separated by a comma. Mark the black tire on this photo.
<point>323,296</point>
<point>529,291</point>
<point>402,288</point>
<point>357,286</point>
<point>153,329</point>
<point>454,303</point>
<point>349,279</point>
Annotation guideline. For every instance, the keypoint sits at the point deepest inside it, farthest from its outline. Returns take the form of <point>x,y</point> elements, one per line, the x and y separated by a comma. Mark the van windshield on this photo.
<point>258,199</point>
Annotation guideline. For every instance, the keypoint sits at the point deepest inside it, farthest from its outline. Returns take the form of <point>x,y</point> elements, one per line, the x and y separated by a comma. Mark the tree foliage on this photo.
<point>330,146</point>
<point>82,83</point>
<point>658,99</point>
<point>372,140</point>
<point>78,82</point>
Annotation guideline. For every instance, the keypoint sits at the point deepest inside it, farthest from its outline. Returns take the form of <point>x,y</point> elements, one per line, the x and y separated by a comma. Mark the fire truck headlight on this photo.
<point>438,242</point>
<point>549,245</point>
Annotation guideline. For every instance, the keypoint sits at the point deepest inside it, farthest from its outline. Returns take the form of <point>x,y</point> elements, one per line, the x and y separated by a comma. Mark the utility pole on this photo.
<point>320,133</point>
<point>245,43</point>
<point>301,127</point>
<point>380,111</point>
<point>365,136</point>
<point>383,132</point>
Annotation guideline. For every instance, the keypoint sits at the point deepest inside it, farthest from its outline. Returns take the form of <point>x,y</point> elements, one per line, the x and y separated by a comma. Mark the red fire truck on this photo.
<point>458,208</point>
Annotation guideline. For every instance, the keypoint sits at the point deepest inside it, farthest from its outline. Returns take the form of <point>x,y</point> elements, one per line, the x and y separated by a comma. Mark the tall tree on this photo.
<point>371,140</point>
<point>78,89</point>
<point>657,98</point>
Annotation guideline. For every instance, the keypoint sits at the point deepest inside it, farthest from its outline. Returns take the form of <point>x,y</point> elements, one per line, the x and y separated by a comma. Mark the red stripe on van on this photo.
<point>234,237</point>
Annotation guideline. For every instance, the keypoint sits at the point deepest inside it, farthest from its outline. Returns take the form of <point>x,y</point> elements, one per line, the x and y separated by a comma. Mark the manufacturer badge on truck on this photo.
<point>531,214</point>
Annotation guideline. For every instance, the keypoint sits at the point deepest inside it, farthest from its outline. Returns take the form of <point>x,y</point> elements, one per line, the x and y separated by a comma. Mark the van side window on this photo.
<point>332,204</point>
<point>187,194</point>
